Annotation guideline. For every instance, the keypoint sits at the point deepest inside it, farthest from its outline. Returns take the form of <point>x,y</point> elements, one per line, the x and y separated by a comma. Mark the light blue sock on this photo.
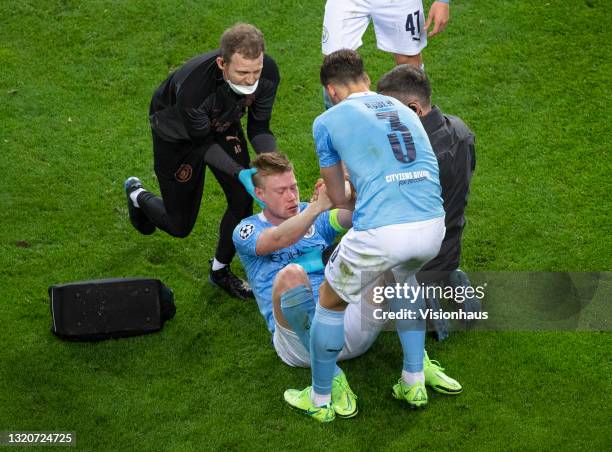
<point>298,308</point>
<point>411,333</point>
<point>326,342</point>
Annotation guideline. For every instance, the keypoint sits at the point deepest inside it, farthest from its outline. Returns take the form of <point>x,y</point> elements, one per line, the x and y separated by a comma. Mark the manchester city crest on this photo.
<point>311,231</point>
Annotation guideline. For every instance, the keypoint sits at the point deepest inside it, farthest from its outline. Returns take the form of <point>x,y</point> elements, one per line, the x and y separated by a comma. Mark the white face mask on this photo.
<point>243,89</point>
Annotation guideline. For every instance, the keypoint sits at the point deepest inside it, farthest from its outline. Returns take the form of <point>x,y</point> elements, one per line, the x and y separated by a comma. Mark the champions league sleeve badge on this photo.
<point>246,231</point>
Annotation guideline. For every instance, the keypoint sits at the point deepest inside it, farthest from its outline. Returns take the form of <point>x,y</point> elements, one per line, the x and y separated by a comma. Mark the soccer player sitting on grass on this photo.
<point>280,249</point>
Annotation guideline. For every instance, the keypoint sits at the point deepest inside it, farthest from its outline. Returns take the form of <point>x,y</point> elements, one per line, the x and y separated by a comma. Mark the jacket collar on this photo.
<point>433,120</point>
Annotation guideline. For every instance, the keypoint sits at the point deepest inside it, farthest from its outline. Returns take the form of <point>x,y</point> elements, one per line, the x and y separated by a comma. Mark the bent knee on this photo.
<point>178,229</point>
<point>293,272</point>
<point>414,60</point>
<point>291,276</point>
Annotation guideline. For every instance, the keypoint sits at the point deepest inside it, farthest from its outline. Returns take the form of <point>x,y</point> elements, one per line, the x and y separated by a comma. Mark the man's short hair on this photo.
<point>244,39</point>
<point>404,82</point>
<point>343,66</point>
<point>268,164</point>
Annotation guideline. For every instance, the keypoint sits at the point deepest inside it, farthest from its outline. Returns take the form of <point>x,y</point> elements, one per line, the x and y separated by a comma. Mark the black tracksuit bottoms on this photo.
<point>180,171</point>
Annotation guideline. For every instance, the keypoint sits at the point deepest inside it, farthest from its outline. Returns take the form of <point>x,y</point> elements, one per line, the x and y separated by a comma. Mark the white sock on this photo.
<point>134,196</point>
<point>318,399</point>
<point>216,265</point>
<point>411,378</point>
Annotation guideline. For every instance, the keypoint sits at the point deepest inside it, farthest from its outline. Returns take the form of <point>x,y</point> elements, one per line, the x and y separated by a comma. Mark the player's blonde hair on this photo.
<point>268,164</point>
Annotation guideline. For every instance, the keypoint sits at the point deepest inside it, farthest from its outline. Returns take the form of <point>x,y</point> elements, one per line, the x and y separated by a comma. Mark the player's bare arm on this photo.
<point>338,191</point>
<point>293,229</point>
<point>345,218</point>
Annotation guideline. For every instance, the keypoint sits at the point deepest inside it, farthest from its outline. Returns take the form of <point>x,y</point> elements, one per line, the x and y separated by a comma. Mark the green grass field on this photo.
<point>532,79</point>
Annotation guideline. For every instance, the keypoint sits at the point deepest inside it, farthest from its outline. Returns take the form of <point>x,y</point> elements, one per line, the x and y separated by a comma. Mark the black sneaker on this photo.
<point>234,286</point>
<point>137,217</point>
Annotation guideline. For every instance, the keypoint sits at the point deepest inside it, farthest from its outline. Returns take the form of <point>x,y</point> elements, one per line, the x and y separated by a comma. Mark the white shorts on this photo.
<point>362,256</point>
<point>360,332</point>
<point>399,25</point>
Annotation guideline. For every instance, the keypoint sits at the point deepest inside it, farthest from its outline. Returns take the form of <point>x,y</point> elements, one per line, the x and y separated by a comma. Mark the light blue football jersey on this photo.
<point>261,270</point>
<point>388,156</point>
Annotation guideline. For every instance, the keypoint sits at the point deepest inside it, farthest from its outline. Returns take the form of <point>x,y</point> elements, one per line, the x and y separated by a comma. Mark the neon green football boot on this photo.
<point>301,401</point>
<point>437,380</point>
<point>415,395</point>
<point>343,398</point>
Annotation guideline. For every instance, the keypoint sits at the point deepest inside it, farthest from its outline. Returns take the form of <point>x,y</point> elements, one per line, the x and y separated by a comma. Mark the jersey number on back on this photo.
<point>399,133</point>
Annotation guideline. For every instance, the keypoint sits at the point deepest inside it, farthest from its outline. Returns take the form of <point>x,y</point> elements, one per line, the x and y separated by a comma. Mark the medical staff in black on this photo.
<point>195,120</point>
